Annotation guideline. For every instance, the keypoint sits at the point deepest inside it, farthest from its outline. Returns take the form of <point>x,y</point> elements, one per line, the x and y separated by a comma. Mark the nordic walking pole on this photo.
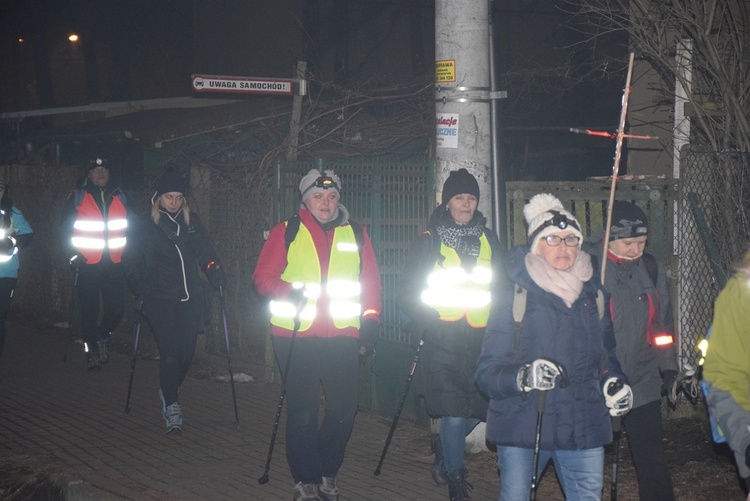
<point>132,360</point>
<point>264,479</point>
<point>616,422</point>
<point>229,355</point>
<point>541,403</point>
<point>72,313</point>
<point>400,407</point>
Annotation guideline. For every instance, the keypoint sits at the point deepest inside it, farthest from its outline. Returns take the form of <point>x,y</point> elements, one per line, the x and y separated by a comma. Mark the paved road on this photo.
<point>74,420</point>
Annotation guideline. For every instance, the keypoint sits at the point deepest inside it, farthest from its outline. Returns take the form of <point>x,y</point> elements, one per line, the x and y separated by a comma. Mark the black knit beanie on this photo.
<point>458,182</point>
<point>628,221</point>
<point>171,181</point>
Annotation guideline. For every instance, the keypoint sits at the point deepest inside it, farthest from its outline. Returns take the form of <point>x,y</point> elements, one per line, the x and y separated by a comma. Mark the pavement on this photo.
<point>66,418</point>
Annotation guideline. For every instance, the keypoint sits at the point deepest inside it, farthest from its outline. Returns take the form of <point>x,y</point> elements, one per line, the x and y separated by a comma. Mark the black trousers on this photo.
<point>100,284</point>
<point>332,363</point>
<point>7,286</point>
<point>175,326</point>
<point>643,427</point>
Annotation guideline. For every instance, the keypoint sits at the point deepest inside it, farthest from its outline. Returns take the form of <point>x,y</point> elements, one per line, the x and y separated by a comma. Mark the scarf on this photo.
<point>565,284</point>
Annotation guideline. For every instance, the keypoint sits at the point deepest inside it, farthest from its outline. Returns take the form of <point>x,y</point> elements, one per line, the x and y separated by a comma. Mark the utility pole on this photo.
<point>462,95</point>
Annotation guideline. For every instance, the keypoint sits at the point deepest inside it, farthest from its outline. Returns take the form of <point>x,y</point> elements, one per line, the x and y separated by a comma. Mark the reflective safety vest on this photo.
<point>94,231</point>
<point>455,293</point>
<point>341,288</point>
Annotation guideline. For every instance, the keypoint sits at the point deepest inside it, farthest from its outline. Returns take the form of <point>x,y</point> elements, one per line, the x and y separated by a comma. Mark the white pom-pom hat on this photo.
<point>546,215</point>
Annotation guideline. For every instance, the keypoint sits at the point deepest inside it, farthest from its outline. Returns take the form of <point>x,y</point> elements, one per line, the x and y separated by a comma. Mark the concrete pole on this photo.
<point>462,102</point>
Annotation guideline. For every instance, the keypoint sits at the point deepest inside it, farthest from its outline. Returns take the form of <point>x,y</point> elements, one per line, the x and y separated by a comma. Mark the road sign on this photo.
<point>242,85</point>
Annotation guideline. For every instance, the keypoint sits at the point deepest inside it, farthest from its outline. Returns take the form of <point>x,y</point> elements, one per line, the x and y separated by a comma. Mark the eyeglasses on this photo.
<point>559,220</point>
<point>570,240</point>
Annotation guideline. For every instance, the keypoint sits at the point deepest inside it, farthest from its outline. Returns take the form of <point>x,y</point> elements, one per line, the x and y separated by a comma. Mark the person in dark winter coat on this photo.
<point>15,233</point>
<point>642,317</point>
<point>93,230</point>
<point>560,350</point>
<point>319,271</point>
<point>168,250</point>
<point>445,295</point>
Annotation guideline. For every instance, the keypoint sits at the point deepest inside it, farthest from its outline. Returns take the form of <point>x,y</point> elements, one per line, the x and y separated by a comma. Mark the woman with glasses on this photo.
<point>446,292</point>
<point>550,369</point>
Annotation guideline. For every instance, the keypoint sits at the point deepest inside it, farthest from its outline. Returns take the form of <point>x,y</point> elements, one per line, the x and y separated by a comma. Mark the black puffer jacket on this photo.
<point>162,261</point>
<point>450,351</point>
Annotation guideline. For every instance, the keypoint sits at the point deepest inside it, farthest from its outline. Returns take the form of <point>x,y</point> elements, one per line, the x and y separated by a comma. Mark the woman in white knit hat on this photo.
<point>554,366</point>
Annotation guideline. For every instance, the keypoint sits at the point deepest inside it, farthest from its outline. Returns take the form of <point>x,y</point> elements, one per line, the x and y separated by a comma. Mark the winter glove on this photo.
<point>76,260</point>
<point>538,375</point>
<point>369,333</point>
<point>7,246</point>
<point>216,276</point>
<point>138,304</point>
<point>618,396</point>
<point>297,297</point>
<point>685,381</point>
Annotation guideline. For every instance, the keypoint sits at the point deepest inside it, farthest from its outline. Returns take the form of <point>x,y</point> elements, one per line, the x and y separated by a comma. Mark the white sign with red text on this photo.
<point>447,130</point>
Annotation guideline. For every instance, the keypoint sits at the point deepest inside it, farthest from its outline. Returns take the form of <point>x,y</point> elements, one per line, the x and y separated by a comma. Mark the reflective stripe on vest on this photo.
<point>4,258</point>
<point>342,288</point>
<point>92,232</point>
<point>456,293</point>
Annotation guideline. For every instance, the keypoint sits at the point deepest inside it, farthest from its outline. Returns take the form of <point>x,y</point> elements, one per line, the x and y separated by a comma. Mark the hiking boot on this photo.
<point>458,487</point>
<point>173,418</point>
<point>329,491</point>
<point>103,356</point>
<point>92,362</point>
<point>439,473</point>
<point>305,492</point>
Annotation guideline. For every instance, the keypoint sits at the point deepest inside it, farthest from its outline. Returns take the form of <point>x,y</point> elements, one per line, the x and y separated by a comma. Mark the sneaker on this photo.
<point>173,417</point>
<point>92,361</point>
<point>329,491</point>
<point>103,355</point>
<point>305,492</point>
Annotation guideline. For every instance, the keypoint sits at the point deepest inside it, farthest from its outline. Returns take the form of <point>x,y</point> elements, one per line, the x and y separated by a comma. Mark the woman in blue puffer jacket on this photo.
<point>563,349</point>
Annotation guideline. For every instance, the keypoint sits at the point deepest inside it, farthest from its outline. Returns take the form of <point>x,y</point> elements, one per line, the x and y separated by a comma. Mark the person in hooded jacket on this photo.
<point>556,363</point>
<point>93,231</point>
<point>169,249</point>
<point>318,269</point>
<point>644,334</point>
<point>445,295</point>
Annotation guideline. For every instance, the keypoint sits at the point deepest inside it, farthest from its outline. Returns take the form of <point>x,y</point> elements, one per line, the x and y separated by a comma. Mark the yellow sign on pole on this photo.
<point>445,71</point>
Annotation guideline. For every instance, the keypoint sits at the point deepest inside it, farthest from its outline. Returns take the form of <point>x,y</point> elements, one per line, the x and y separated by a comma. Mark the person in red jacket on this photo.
<point>92,232</point>
<point>319,271</point>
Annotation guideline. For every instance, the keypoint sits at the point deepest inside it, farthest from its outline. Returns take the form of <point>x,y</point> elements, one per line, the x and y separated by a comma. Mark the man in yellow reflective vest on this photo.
<point>319,271</point>
<point>93,235</point>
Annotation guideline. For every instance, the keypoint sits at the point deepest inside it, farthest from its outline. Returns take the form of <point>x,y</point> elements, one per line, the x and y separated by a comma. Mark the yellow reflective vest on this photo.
<point>457,293</point>
<point>340,290</point>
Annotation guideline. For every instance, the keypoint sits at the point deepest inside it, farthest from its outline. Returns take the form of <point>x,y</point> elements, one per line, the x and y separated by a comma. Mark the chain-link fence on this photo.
<point>713,235</point>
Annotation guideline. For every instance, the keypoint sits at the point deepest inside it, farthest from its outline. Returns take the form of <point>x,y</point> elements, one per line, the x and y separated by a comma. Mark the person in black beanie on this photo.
<point>452,272</point>
<point>644,333</point>
<point>93,232</point>
<point>169,250</point>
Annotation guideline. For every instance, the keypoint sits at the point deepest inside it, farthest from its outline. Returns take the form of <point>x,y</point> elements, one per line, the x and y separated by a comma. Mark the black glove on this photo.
<point>369,333</point>
<point>217,277</point>
<point>667,380</point>
<point>138,304</point>
<point>747,456</point>
<point>7,245</point>
<point>76,260</point>
<point>297,297</point>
